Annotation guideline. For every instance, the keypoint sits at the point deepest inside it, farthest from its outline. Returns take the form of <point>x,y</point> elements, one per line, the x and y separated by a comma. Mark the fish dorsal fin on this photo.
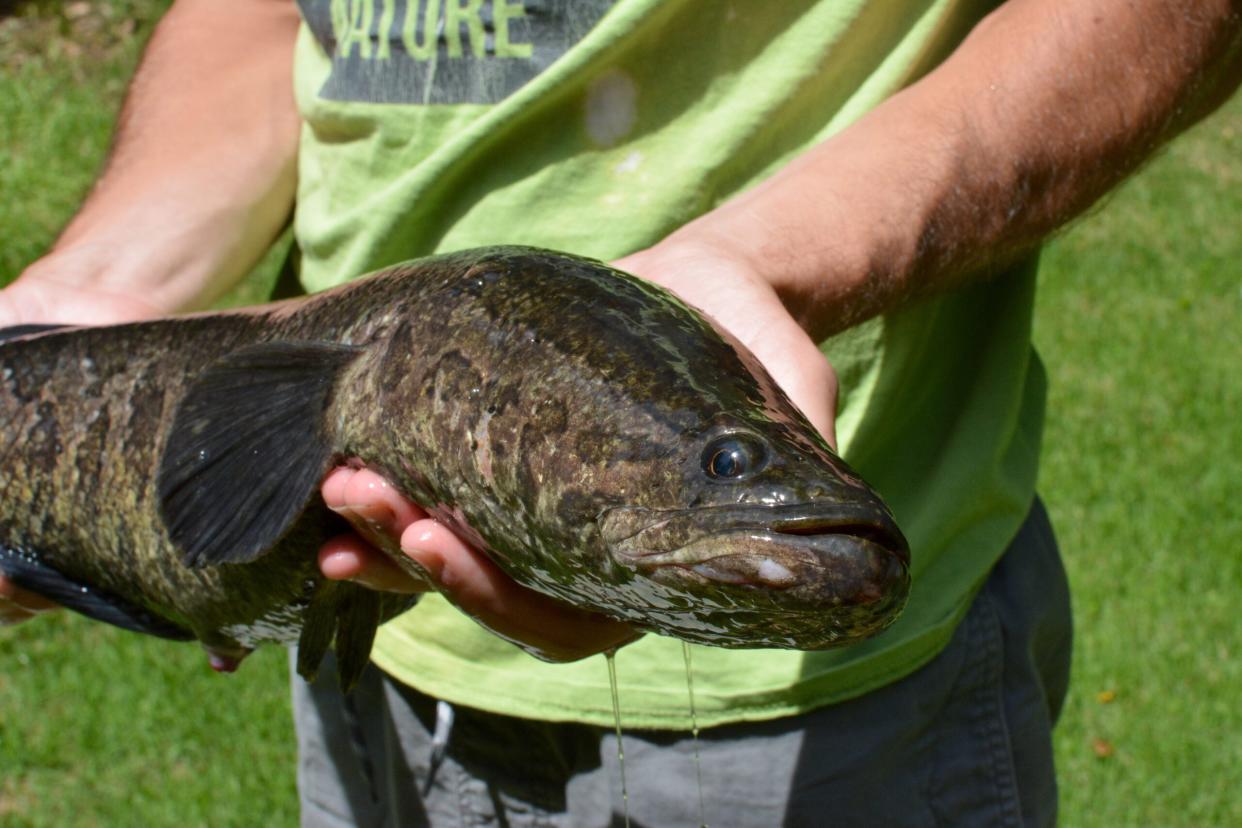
<point>248,446</point>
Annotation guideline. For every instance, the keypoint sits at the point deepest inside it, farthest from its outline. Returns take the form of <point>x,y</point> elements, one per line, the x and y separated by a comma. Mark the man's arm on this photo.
<point>199,181</point>
<point>1045,107</point>
<point>200,178</point>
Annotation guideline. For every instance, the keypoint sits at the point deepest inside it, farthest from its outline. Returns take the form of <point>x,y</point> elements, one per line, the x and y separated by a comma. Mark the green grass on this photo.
<point>63,73</point>
<point>1139,321</point>
<point>97,726</point>
<point>62,82</point>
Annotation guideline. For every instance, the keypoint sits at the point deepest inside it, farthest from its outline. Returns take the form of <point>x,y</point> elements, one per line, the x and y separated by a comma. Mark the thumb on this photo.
<point>804,374</point>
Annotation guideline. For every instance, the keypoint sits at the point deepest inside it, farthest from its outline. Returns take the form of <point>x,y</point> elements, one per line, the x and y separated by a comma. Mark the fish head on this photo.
<point>768,540</point>
<point>640,461</point>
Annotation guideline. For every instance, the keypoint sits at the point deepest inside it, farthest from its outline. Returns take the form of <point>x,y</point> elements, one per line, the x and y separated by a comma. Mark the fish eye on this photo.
<point>733,456</point>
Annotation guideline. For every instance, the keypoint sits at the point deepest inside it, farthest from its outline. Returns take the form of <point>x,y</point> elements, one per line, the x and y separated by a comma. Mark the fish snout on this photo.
<point>812,572</point>
<point>781,577</point>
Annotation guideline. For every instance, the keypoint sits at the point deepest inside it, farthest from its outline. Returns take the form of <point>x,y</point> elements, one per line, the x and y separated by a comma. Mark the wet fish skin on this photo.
<point>586,399</point>
<point>87,412</point>
<point>557,413</point>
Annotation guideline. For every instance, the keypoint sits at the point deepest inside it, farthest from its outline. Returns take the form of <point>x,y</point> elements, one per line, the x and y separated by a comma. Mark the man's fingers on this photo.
<point>803,373</point>
<point>350,558</point>
<point>479,588</point>
<point>384,519</point>
<point>812,386</point>
<point>730,292</point>
<point>374,508</point>
<point>366,495</point>
<point>379,514</point>
<point>16,604</point>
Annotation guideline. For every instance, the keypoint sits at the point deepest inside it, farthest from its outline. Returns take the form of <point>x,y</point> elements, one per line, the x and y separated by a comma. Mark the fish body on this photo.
<point>601,441</point>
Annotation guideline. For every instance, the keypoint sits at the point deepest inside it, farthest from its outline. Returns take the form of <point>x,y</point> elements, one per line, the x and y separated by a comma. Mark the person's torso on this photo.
<point>598,128</point>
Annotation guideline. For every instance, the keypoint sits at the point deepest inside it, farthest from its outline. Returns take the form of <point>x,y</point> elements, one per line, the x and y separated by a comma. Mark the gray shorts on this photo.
<point>963,741</point>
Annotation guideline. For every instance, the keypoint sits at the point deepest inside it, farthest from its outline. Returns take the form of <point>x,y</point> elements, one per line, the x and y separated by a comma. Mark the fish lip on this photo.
<point>806,592</point>
<point>828,566</point>
<point>870,523</point>
<point>806,576</point>
<point>877,528</point>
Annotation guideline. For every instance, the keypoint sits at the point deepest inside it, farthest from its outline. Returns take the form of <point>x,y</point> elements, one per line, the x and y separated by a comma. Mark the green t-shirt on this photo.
<point>598,128</point>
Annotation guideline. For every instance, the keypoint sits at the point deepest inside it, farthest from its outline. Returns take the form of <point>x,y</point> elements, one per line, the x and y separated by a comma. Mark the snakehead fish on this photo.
<point>601,441</point>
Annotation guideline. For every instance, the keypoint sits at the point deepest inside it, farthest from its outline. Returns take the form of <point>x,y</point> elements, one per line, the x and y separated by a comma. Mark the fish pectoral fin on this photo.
<point>248,446</point>
<point>357,619</point>
<point>318,628</point>
<point>24,569</point>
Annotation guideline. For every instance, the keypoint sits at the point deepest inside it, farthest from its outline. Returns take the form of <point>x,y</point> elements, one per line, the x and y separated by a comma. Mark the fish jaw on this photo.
<point>805,576</point>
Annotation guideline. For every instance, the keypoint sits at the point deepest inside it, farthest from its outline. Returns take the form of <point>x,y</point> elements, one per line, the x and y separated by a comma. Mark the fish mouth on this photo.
<point>875,527</point>
<point>807,576</point>
<point>637,532</point>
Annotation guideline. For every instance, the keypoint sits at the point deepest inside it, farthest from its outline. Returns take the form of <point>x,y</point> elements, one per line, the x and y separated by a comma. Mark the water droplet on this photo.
<point>694,732</point>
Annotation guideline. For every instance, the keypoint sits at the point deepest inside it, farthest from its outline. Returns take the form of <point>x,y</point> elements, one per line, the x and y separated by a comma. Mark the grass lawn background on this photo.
<point>1139,321</point>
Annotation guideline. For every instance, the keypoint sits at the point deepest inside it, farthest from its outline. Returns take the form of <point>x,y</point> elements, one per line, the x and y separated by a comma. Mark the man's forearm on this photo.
<point>201,175</point>
<point>1046,106</point>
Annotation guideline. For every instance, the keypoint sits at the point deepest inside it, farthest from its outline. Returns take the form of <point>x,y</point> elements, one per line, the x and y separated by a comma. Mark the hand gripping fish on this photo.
<point>602,442</point>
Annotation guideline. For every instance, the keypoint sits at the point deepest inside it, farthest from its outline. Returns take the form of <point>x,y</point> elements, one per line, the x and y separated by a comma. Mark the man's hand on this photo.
<point>737,298</point>
<point>37,298</point>
<point>543,627</point>
<point>199,181</point>
<point>723,288</point>
<point>17,605</point>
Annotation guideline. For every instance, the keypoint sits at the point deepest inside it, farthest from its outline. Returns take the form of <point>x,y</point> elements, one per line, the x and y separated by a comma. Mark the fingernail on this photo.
<point>377,483</point>
<point>373,514</point>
